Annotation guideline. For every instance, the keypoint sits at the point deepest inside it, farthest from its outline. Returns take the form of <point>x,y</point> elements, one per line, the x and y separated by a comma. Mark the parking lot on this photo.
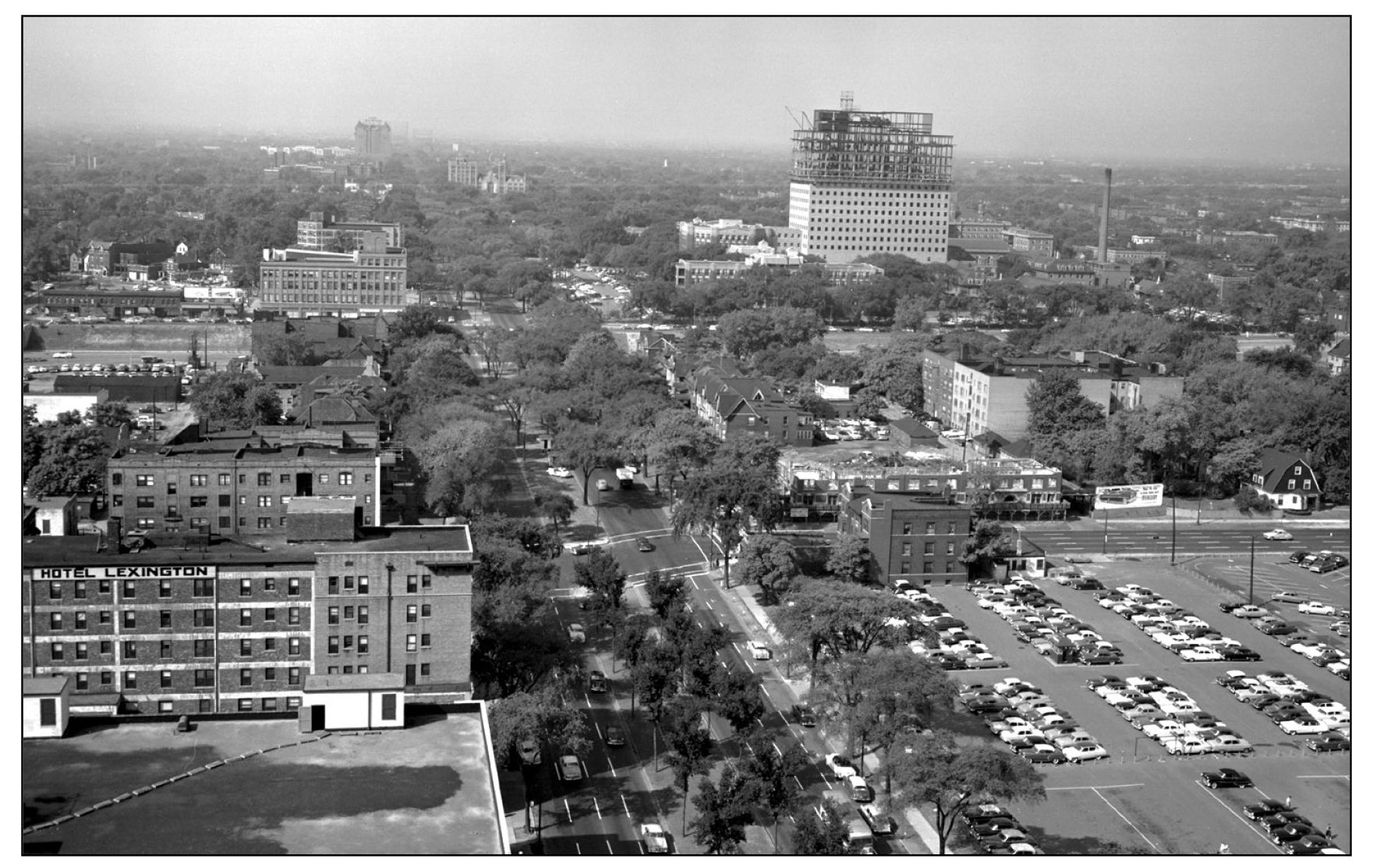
<point>1140,796</point>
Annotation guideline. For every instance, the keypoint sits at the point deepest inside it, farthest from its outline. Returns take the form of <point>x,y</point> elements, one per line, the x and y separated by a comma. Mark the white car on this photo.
<point>570,768</point>
<point>576,633</point>
<point>1186,746</point>
<point>1248,611</point>
<point>1200,654</point>
<point>1080,752</point>
<point>1303,726</point>
<point>1289,597</point>
<point>1278,535</point>
<point>1316,607</point>
<point>841,766</point>
<point>655,839</point>
<point>602,484</point>
<point>560,472</point>
<point>1162,729</point>
<point>759,650</point>
<point>1229,743</point>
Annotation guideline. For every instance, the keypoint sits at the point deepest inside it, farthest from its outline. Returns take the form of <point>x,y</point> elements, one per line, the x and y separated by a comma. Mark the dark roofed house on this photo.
<point>736,406</point>
<point>1337,356</point>
<point>1287,480</point>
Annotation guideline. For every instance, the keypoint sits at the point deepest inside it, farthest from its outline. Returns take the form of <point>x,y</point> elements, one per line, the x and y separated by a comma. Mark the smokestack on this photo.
<point>1105,219</point>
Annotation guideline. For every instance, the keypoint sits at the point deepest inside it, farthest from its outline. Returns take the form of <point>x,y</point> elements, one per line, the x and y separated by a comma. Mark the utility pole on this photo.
<point>1251,568</point>
<point>1173,554</point>
<point>1106,531</point>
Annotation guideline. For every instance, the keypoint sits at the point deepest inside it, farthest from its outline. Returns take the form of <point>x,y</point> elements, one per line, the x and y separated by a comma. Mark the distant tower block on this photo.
<point>372,137</point>
<point>865,182</point>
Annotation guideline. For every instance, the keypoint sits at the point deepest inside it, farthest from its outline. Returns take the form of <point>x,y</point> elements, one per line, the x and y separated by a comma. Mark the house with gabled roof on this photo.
<point>735,406</point>
<point>1287,480</point>
<point>1337,357</point>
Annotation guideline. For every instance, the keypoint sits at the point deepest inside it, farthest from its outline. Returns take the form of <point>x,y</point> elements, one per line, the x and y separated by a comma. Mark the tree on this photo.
<point>950,777</point>
<point>900,694</point>
<point>679,442</point>
<point>988,543</point>
<point>413,324</point>
<point>585,448</point>
<point>738,698</point>
<point>666,595</point>
<point>821,832</point>
<point>285,350</point>
<point>65,460</point>
<point>769,562</point>
<point>733,491</point>
<point>434,368</point>
<point>656,677</point>
<point>1248,499</point>
<point>555,507</point>
<point>849,559</point>
<point>769,771</point>
<point>690,745</point>
<point>545,718</point>
<point>235,400</point>
<point>1057,408</point>
<point>488,342</point>
<point>841,618</point>
<point>110,414</point>
<point>722,812</point>
<point>461,464</point>
<point>601,573</point>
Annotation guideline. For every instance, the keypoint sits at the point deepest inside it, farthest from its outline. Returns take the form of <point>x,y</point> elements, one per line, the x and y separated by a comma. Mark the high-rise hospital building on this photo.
<point>866,182</point>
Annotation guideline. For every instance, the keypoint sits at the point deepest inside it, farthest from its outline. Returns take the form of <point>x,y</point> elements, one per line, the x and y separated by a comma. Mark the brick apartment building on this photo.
<point>911,535</point>
<point>232,628</point>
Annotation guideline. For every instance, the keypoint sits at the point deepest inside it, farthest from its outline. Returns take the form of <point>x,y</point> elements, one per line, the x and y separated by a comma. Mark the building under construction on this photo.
<point>866,182</point>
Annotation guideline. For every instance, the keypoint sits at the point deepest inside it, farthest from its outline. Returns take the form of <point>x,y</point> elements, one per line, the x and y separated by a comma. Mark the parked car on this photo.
<point>1239,654</point>
<point>759,650</point>
<point>1277,627</point>
<point>1318,608</point>
<point>1328,563</point>
<point>576,633</point>
<point>1225,777</point>
<point>596,682</point>
<point>1200,654</point>
<point>1264,808</point>
<point>644,545</point>
<point>1287,597</point>
<point>560,472</point>
<point>1042,753</point>
<point>803,716</point>
<point>602,484</point>
<point>841,766</point>
<point>614,735</point>
<point>1076,754</point>
<point>1303,724</point>
<point>570,768</point>
<point>1230,743</point>
<point>1278,535</point>
<point>1330,742</point>
<point>654,838</point>
<point>1248,611</point>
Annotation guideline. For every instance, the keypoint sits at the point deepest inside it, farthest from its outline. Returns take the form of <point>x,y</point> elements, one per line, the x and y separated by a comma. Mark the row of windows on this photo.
<point>929,548</point>
<point>927,567</point>
<point>224,501</point>
<point>827,195</point>
<point>203,649</point>
<point>201,587</point>
<point>930,527</point>
<point>203,617</point>
<point>412,612</point>
<point>345,477</point>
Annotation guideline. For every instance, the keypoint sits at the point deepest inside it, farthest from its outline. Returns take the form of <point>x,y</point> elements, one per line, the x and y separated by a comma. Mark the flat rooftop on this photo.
<point>428,788</point>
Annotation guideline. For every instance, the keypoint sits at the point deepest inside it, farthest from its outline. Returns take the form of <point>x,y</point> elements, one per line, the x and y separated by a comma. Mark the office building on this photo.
<point>367,280</point>
<point>232,628</point>
<point>866,182</point>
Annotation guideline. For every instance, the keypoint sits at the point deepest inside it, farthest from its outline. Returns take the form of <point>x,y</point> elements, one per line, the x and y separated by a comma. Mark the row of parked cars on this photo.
<point>1293,706</point>
<point>955,648</point>
<point>1319,561</point>
<point>1287,829</point>
<point>1308,646</point>
<point>994,830</point>
<point>1023,718</point>
<point>1174,628</point>
<point>1168,715</point>
<point>1037,619</point>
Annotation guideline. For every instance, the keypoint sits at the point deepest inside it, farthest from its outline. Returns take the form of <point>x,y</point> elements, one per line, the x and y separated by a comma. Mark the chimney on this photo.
<point>115,527</point>
<point>1105,219</point>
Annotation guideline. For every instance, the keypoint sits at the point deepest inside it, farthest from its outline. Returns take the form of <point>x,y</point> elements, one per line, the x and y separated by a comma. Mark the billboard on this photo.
<point>1129,496</point>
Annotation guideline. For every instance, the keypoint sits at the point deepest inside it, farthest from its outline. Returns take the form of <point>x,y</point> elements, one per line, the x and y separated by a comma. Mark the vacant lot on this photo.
<point>423,790</point>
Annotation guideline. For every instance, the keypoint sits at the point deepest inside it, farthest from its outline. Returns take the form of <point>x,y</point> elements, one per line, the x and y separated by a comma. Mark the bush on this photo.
<point>1250,500</point>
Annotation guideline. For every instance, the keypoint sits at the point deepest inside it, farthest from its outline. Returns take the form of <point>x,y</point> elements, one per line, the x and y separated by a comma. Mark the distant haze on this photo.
<point>1236,89</point>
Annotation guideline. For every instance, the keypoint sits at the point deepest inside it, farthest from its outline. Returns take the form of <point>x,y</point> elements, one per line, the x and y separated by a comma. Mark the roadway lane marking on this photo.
<point>612,767</point>
<point>597,726</point>
<point>776,748</point>
<point>568,807</point>
<point>608,848</point>
<point>626,805</point>
<point>587,698</point>
<point>1095,787</point>
<point>746,664</point>
<point>597,805</point>
<point>798,783</point>
<point>578,847</point>
<point>709,605</point>
<point>1243,820</point>
<point>1346,778</point>
<point>1125,819</point>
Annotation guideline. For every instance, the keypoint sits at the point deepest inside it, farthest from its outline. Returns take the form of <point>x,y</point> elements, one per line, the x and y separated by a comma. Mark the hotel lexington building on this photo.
<point>168,628</point>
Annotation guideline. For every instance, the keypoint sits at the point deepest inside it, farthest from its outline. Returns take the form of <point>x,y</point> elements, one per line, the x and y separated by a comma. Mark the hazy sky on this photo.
<point>1261,89</point>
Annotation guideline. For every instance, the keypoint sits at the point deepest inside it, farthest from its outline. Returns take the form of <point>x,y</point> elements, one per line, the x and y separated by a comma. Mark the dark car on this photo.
<point>1329,563</point>
<point>1328,743</point>
<point>994,825</point>
<point>644,545</point>
<point>1264,808</point>
<point>595,682</point>
<point>1049,755</point>
<point>1274,820</point>
<point>1101,658</point>
<point>1228,606</point>
<point>1310,844</point>
<point>1292,832</point>
<point>1298,556</point>
<point>1105,680</point>
<point>1225,777</point>
<point>1239,654</point>
<point>1277,628</point>
<point>581,549</point>
<point>1260,702</point>
<point>803,715</point>
<point>614,735</point>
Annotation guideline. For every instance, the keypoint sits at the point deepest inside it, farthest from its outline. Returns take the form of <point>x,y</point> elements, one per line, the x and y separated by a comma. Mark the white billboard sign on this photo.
<point>1129,496</point>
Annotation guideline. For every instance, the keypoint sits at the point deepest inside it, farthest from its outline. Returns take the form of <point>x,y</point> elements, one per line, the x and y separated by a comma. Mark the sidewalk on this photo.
<point>746,608</point>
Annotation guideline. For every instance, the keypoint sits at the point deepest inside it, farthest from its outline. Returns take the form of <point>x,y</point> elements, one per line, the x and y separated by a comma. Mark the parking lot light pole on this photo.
<point>1173,553</point>
<point>1105,532</point>
<point>1251,568</point>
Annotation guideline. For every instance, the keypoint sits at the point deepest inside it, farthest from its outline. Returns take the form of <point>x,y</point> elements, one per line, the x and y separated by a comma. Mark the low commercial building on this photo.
<point>370,279</point>
<point>355,701</point>
<point>165,628</point>
<point>688,271</point>
<point>45,709</point>
<point>53,515</point>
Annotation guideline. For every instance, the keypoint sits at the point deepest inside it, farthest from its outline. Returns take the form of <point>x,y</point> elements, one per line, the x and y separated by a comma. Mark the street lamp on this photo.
<point>1173,553</point>
<point>1251,568</point>
<point>1106,531</point>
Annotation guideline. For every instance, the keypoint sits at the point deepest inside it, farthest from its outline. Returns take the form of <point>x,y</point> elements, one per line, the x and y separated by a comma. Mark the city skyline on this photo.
<point>1239,89</point>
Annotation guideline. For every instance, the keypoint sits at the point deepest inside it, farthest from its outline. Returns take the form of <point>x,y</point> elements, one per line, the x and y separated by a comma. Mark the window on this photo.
<point>293,676</point>
<point>928,567</point>
<point>324,478</point>
<point>83,682</point>
<point>293,703</point>
<point>424,669</point>
<point>242,500</point>
<point>411,613</point>
<point>333,584</point>
<point>362,584</point>
<point>426,610</point>
<point>411,643</point>
<point>82,651</point>
<point>224,500</point>
<point>203,649</point>
<point>1291,484</point>
<point>264,502</point>
<point>929,528</point>
<point>348,611</point>
<point>57,651</point>
<point>164,707</point>
<point>225,479</point>
<point>953,528</point>
<point>906,528</point>
<point>203,587</point>
<point>347,581</point>
<point>245,705</point>
<point>164,589</point>
<point>293,586</point>
<point>104,587</point>
<point>204,617</point>
<point>146,523</point>
<point>333,644</point>
<point>143,481</point>
<point>269,674</point>
<point>269,614</point>
<point>164,649</point>
<point>106,647</point>
<point>1296,470</point>
<point>245,587</point>
<point>54,589</point>
<point>948,549</point>
<point>242,478</point>
<point>345,478</point>
<point>80,620</point>
<point>130,619</point>
<point>264,523</point>
<point>905,548</point>
<point>204,678</point>
<point>333,616</point>
<point>929,548</point>
<point>164,679</point>
<point>362,615</point>
<point>130,679</point>
<point>79,589</point>
<point>225,522</point>
<point>199,480</point>
<point>424,639</point>
<point>130,589</point>
<point>245,676</point>
<point>269,584</point>
<point>206,705</point>
<point>116,479</point>
<point>106,678</point>
<point>362,669</point>
<point>284,478</point>
<point>55,621</point>
<point>362,644</point>
<point>171,488</point>
<point>293,616</point>
<point>425,581</point>
<point>333,669</point>
<point>412,583</point>
<point>130,649</point>
<point>264,478</point>
<point>245,647</point>
<point>269,704</point>
<point>388,707</point>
